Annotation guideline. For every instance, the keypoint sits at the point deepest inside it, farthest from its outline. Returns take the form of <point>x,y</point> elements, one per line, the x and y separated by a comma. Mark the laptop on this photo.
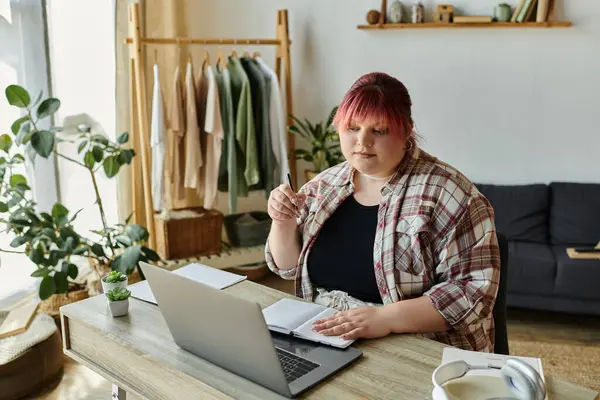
<point>231,332</point>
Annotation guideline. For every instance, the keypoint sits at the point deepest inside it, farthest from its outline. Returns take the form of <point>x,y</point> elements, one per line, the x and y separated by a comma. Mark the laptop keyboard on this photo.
<point>293,366</point>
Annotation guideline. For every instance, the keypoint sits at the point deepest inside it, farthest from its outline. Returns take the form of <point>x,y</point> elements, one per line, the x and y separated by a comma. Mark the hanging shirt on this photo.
<point>193,150</point>
<point>157,142</point>
<point>228,168</point>
<point>277,124</point>
<point>260,106</point>
<point>214,127</point>
<point>176,149</point>
<point>244,125</point>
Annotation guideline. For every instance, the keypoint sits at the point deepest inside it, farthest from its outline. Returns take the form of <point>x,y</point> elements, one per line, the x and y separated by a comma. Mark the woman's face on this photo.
<point>371,149</point>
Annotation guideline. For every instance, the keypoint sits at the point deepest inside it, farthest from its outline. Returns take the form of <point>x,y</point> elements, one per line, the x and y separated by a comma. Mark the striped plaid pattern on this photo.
<point>435,237</point>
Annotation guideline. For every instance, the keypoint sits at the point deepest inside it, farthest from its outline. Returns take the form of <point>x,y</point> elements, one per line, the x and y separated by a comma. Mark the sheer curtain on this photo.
<point>23,61</point>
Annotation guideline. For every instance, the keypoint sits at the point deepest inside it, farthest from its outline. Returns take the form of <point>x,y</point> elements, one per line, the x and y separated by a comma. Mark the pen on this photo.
<point>290,182</point>
<point>292,186</point>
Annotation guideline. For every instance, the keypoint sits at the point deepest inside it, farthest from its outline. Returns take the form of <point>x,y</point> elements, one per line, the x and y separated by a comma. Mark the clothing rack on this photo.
<point>138,92</point>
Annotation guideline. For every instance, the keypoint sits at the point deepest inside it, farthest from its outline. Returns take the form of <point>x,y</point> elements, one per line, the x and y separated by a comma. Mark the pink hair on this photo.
<point>377,96</point>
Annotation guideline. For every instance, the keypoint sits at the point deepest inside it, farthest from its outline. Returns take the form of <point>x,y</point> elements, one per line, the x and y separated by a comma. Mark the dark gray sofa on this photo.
<point>540,222</point>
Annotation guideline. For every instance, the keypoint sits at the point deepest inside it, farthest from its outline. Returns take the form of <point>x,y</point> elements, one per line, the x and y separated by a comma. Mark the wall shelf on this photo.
<point>552,24</point>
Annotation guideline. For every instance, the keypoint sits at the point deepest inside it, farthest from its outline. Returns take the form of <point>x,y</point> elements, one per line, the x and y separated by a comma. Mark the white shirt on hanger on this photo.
<point>158,131</point>
<point>214,144</point>
<point>277,123</point>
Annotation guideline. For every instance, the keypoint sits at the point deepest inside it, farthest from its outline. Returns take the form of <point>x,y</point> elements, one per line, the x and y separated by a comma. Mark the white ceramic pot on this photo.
<point>118,308</point>
<point>396,12</point>
<point>109,286</point>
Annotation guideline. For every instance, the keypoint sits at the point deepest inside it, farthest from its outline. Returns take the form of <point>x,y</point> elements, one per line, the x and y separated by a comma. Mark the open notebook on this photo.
<point>213,277</point>
<point>295,317</point>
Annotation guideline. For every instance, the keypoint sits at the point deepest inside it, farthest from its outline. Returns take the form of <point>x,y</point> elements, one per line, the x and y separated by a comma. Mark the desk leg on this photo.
<point>118,393</point>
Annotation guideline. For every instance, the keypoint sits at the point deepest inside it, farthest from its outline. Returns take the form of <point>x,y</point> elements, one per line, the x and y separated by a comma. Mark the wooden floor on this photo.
<point>569,347</point>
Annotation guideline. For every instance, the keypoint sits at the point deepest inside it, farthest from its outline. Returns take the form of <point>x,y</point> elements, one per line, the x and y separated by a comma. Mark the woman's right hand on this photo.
<point>284,205</point>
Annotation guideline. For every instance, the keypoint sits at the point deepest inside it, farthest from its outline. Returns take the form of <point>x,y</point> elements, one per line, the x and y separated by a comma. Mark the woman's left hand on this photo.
<point>363,322</point>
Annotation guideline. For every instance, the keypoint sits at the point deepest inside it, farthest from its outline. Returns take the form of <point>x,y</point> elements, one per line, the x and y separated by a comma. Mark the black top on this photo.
<point>342,256</point>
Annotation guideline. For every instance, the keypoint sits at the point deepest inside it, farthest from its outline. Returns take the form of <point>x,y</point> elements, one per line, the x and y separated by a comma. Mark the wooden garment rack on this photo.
<point>138,92</point>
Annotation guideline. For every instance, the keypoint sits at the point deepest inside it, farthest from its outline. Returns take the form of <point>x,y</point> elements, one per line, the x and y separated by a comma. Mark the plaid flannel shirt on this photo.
<point>435,237</point>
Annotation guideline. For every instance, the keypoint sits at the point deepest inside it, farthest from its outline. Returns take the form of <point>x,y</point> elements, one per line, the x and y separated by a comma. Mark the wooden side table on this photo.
<point>583,256</point>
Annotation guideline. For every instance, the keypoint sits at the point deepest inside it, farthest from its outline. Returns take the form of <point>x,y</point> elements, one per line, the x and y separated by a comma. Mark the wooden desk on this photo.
<point>137,353</point>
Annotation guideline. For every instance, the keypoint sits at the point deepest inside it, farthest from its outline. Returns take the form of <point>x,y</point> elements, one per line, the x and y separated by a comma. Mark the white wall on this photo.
<point>502,105</point>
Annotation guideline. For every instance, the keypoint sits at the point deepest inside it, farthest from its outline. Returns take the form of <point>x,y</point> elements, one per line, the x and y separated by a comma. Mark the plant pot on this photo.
<point>309,175</point>
<point>248,229</point>
<point>118,308</point>
<point>110,286</point>
<point>253,272</point>
<point>52,305</point>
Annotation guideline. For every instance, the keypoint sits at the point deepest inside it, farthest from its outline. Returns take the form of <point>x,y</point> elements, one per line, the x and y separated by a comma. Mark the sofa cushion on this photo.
<point>531,268</point>
<point>575,213</point>
<point>521,211</point>
<point>576,279</point>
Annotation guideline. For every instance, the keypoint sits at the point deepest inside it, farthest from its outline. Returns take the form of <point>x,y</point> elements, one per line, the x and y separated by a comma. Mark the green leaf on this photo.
<point>75,215</point>
<point>17,179</point>
<point>47,287</point>
<point>97,250</point>
<point>100,139</point>
<point>43,142</point>
<point>66,233</point>
<point>16,126</point>
<point>36,256</point>
<point>62,284</point>
<point>89,160</point>
<point>18,241</point>
<point>98,153</point>
<point>39,273</point>
<point>137,233</point>
<point>80,250</point>
<point>48,107</point>
<point>111,166</point>
<point>56,256</point>
<point>125,156</point>
<point>17,96</point>
<point>73,271</point>
<point>125,240</point>
<point>82,146</point>
<point>24,134</point>
<point>69,245</point>
<point>150,254</point>
<point>128,260</point>
<point>59,211</point>
<point>17,159</point>
<point>3,206</point>
<point>47,216</point>
<point>123,138</point>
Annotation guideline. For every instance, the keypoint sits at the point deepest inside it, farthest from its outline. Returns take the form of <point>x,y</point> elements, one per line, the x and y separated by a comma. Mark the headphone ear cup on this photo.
<point>522,380</point>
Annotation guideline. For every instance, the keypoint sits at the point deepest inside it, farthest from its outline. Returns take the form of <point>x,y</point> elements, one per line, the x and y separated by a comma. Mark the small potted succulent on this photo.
<point>112,280</point>
<point>118,301</point>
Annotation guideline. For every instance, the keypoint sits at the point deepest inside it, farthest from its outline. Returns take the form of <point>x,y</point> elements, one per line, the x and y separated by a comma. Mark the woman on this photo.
<point>394,238</point>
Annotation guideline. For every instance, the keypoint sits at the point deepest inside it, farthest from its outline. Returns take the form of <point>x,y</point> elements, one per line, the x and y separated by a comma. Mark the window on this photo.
<point>23,62</point>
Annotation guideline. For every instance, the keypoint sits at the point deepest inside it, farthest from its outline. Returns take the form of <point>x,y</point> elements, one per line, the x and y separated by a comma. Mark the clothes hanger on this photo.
<point>256,54</point>
<point>156,56</point>
<point>206,60</point>
<point>233,52</point>
<point>190,60</point>
<point>220,58</point>
<point>246,52</point>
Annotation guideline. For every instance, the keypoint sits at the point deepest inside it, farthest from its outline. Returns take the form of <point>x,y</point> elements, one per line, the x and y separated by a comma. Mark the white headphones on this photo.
<point>522,380</point>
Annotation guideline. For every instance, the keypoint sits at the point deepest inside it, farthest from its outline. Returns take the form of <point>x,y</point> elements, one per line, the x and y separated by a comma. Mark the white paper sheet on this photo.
<point>213,277</point>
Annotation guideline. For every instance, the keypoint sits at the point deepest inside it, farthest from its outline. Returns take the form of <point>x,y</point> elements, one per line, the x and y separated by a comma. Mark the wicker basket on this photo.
<point>192,236</point>
<point>52,304</point>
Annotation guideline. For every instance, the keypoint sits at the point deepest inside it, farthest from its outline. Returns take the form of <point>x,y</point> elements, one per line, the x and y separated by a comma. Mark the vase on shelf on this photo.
<point>396,12</point>
<point>502,13</point>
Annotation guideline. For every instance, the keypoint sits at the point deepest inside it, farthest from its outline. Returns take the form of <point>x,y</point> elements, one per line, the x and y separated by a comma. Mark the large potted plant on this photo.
<point>323,141</point>
<point>49,239</point>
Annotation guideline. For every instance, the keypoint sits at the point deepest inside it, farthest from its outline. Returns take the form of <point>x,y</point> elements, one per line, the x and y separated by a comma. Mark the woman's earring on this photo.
<point>410,142</point>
